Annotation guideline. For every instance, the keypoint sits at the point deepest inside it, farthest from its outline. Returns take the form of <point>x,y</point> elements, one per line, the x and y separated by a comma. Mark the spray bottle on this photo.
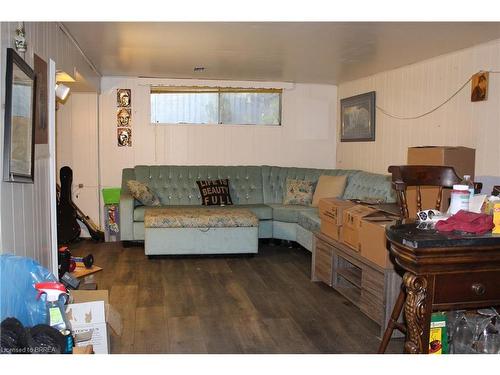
<point>53,290</point>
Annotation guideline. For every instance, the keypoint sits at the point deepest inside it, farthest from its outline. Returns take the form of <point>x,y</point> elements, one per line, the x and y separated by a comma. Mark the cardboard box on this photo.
<point>91,310</point>
<point>87,349</point>
<point>372,240</point>
<point>331,214</point>
<point>462,159</point>
<point>351,224</point>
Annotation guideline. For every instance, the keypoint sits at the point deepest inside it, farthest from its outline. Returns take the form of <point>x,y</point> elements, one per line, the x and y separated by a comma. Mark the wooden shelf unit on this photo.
<point>368,286</point>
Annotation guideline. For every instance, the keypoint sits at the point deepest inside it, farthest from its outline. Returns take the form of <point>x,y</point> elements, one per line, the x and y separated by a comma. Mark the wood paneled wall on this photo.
<point>416,88</point>
<point>25,208</point>
<point>305,139</point>
<point>77,147</point>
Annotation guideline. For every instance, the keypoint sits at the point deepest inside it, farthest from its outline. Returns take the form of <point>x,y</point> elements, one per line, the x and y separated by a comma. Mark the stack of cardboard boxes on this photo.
<point>362,228</point>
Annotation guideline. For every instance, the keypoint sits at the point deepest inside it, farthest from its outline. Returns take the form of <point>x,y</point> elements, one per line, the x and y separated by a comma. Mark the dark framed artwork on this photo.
<point>19,126</point>
<point>357,118</point>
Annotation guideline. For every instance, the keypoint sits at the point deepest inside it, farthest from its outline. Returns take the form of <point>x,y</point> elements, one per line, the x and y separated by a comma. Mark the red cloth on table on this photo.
<point>466,221</point>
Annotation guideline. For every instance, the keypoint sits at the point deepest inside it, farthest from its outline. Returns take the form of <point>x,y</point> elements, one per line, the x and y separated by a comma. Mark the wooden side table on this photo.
<point>371,288</point>
<point>443,272</point>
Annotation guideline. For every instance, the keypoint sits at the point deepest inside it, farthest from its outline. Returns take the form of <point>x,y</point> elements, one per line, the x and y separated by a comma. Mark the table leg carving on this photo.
<point>415,307</point>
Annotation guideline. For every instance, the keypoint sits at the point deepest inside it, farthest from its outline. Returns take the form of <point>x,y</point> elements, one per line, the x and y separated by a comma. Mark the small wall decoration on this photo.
<point>124,136</point>
<point>479,87</point>
<point>124,98</point>
<point>357,116</point>
<point>20,39</point>
<point>123,117</point>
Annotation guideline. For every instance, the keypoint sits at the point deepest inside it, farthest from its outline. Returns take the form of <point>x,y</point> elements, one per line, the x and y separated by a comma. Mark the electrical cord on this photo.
<point>385,112</point>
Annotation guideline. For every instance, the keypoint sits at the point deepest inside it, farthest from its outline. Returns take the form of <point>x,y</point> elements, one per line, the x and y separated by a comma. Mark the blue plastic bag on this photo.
<point>18,296</point>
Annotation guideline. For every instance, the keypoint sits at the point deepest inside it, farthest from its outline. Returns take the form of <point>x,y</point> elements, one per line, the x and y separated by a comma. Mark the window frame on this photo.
<point>219,91</point>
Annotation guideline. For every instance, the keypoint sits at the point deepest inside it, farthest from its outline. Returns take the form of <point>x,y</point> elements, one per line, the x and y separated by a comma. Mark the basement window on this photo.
<point>215,105</point>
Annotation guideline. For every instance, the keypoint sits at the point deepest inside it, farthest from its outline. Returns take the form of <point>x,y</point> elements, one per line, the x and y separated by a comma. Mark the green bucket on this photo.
<point>111,195</point>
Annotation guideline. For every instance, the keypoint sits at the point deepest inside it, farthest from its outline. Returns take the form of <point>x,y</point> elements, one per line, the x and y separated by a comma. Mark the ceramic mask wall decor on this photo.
<point>124,136</point>
<point>123,98</point>
<point>124,117</point>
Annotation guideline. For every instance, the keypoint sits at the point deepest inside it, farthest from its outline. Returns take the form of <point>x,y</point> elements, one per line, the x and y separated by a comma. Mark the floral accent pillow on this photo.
<point>143,193</point>
<point>298,192</point>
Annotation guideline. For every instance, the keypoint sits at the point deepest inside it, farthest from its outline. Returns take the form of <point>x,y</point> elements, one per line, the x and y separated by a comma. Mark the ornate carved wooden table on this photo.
<point>443,272</point>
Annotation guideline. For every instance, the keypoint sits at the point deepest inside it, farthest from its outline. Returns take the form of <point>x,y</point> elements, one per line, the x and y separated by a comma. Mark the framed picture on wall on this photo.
<point>479,87</point>
<point>357,116</point>
<point>19,124</point>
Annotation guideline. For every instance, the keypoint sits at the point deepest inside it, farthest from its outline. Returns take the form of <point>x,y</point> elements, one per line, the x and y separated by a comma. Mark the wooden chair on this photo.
<point>404,176</point>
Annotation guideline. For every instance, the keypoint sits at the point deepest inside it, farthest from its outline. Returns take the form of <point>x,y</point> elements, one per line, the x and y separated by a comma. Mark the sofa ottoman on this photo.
<point>182,231</point>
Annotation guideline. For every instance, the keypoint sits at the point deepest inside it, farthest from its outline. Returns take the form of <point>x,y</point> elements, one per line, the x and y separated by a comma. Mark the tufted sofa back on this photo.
<point>176,185</point>
<point>274,179</point>
<point>369,185</point>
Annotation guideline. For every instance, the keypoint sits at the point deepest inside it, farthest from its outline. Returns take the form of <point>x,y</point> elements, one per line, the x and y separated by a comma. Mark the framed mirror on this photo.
<point>19,142</point>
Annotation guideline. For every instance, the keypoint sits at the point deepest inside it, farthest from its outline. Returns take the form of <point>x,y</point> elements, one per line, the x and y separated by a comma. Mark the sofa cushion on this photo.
<point>364,185</point>
<point>215,192</point>
<point>298,192</point>
<point>329,187</point>
<point>273,179</point>
<point>262,211</point>
<point>289,213</point>
<point>143,193</point>
<point>199,217</point>
<point>309,220</point>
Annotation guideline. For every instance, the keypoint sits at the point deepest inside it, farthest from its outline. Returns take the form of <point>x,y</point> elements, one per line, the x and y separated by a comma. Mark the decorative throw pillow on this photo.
<point>215,192</point>
<point>329,187</point>
<point>298,192</point>
<point>143,193</point>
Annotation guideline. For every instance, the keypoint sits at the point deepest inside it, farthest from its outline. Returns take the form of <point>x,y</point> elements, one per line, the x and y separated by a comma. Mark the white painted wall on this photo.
<point>77,142</point>
<point>416,88</point>
<point>305,139</point>
<point>25,208</point>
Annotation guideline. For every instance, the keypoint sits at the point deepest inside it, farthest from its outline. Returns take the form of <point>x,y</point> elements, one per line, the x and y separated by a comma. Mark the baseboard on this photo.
<point>127,244</point>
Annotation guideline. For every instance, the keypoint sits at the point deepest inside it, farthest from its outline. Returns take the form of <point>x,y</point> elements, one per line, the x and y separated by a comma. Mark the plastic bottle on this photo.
<point>459,199</point>
<point>470,185</point>
<point>53,290</point>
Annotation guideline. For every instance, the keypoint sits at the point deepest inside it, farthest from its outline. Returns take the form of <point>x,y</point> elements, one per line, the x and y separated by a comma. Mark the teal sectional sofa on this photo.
<point>258,188</point>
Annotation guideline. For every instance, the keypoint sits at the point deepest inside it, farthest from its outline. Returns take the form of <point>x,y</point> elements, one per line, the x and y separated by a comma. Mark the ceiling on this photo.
<point>308,52</point>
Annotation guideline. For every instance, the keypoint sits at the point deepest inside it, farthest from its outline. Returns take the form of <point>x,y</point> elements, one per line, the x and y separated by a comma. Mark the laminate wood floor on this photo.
<point>260,304</point>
